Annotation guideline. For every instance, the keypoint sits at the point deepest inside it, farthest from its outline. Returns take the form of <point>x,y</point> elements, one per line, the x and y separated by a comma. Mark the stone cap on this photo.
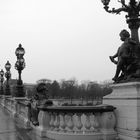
<point>79,109</point>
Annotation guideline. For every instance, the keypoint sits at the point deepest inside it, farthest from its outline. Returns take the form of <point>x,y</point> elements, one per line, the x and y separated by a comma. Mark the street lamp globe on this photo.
<point>7,66</point>
<point>20,51</point>
<point>1,73</point>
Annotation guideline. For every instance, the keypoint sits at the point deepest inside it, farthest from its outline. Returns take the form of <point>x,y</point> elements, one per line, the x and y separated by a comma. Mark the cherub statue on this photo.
<point>125,55</point>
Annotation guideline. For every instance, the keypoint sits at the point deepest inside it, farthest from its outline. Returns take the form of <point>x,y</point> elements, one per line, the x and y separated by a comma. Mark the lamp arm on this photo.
<point>123,3</point>
<point>124,8</point>
<point>117,11</point>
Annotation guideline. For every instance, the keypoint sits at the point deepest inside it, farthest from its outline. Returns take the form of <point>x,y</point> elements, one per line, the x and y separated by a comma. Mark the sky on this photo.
<point>63,39</point>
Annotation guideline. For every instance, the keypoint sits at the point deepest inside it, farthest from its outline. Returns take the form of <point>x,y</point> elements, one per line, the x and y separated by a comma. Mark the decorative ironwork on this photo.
<point>132,17</point>
<point>130,69</point>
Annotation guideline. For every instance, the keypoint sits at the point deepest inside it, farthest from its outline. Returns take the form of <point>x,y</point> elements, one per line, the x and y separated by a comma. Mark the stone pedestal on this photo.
<point>126,98</point>
<point>19,91</point>
<point>7,90</point>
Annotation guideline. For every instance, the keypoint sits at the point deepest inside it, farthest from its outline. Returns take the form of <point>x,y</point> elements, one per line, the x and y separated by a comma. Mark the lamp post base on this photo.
<point>1,91</point>
<point>19,91</point>
<point>7,90</point>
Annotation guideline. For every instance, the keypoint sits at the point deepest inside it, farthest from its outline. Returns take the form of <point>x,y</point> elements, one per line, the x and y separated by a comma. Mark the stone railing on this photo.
<point>77,101</point>
<point>72,123</point>
<point>18,107</point>
<point>22,112</point>
<point>67,122</point>
<point>7,102</point>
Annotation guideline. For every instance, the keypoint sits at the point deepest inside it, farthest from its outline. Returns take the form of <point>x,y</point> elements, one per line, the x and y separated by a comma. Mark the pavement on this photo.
<point>12,129</point>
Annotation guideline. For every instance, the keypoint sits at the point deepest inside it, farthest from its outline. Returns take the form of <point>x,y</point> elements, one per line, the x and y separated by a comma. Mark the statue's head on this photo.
<point>124,34</point>
<point>42,90</point>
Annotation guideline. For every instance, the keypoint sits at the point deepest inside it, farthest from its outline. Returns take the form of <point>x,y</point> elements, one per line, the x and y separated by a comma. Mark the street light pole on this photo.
<point>7,76</point>
<point>19,66</point>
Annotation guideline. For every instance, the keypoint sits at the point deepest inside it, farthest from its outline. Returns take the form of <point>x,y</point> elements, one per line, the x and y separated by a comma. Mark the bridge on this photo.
<point>115,119</point>
<point>55,122</point>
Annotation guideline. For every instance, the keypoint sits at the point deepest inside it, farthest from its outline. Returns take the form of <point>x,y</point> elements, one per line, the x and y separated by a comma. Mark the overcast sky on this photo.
<point>62,38</point>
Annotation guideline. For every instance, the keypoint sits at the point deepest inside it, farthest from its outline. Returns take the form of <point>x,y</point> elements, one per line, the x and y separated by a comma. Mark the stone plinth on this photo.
<point>126,98</point>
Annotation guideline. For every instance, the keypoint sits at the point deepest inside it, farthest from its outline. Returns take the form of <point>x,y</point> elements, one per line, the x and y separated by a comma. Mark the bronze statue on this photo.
<point>39,99</point>
<point>128,59</point>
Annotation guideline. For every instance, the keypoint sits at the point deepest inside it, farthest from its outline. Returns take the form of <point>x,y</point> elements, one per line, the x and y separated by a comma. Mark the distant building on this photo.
<point>43,81</point>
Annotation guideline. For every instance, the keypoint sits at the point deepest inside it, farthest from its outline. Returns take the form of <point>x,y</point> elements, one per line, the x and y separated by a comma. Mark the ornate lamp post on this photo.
<point>132,18</point>
<point>1,80</point>
<point>19,66</point>
<point>7,76</point>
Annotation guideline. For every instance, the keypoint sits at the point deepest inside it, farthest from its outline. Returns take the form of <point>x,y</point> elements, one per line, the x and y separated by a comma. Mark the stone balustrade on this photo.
<point>77,101</point>
<point>67,122</point>
<point>75,122</point>
<point>18,107</point>
<point>7,102</point>
<point>22,112</point>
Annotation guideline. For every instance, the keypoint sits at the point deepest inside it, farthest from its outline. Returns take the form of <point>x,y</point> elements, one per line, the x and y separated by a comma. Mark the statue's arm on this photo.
<point>114,56</point>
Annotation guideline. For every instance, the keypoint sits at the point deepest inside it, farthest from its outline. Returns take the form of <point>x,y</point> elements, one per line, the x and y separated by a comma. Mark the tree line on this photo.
<point>71,89</point>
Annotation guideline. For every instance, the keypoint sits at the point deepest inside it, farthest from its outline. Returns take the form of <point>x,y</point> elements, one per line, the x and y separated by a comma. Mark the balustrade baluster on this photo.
<point>51,121</point>
<point>95,122</point>
<point>70,123</point>
<point>87,123</point>
<point>15,108</point>
<point>9,105</point>
<point>78,123</point>
<point>62,122</point>
<point>56,121</point>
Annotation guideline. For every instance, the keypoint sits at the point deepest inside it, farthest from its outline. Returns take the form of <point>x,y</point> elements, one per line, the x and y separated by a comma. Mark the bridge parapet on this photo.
<point>67,122</point>
<point>18,107</point>
<point>75,122</point>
